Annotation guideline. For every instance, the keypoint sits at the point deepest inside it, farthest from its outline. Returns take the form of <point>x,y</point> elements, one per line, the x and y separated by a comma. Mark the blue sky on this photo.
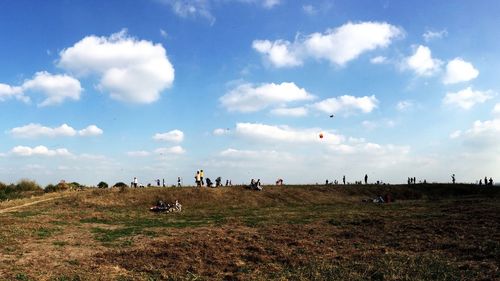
<point>109,90</point>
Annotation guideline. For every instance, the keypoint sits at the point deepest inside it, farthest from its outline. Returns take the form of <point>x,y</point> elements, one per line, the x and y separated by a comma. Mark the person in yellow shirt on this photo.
<point>201,178</point>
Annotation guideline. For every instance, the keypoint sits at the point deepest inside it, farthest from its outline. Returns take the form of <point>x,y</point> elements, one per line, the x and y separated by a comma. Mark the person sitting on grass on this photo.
<point>209,182</point>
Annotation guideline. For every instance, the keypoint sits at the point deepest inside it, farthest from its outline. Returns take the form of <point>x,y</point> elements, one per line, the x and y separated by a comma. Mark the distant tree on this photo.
<point>102,185</point>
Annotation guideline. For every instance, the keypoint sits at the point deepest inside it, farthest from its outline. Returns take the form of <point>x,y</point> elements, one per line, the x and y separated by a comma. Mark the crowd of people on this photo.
<point>486,181</point>
<point>202,181</point>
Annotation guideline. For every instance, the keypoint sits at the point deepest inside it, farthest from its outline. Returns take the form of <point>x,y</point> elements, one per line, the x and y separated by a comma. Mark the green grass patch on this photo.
<point>26,214</point>
<point>45,232</point>
<point>96,220</point>
<point>59,243</point>
<point>111,235</point>
<point>22,277</point>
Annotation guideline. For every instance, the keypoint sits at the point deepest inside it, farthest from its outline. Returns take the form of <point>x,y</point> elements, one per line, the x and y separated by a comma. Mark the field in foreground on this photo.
<point>431,232</point>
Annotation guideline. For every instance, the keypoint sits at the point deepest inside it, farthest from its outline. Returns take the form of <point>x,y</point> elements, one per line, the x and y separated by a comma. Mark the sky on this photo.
<point>96,91</point>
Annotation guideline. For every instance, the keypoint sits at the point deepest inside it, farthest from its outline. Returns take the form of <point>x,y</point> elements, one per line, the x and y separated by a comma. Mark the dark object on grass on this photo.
<point>165,207</point>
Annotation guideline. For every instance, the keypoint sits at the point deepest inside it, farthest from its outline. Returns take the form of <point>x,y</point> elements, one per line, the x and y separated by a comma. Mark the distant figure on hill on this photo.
<point>158,182</point>
<point>218,182</point>
<point>201,177</point>
<point>480,182</point>
<point>490,182</point>
<point>343,179</point>
<point>326,182</point>
<point>209,182</point>
<point>179,181</point>
<point>485,181</point>
<point>453,178</point>
<point>163,182</point>
<point>135,182</point>
<point>198,179</point>
<point>227,182</point>
<point>279,182</point>
<point>366,179</point>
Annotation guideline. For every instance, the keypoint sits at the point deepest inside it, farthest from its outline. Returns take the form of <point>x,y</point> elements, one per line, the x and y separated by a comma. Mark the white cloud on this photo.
<point>404,105</point>
<point>57,88</point>
<point>7,91</point>
<point>456,134</point>
<point>458,70</point>
<point>467,98</point>
<point>192,9</point>
<point>496,109</point>
<point>176,150</point>
<point>338,46</point>
<point>33,130</point>
<point>250,98</point>
<point>163,33</point>
<point>279,52</point>
<point>431,35</point>
<point>221,132</point>
<point>236,153</point>
<point>350,40</point>
<point>90,131</point>
<point>347,104</point>
<point>309,9</point>
<point>270,3</point>
<point>172,136</point>
<point>422,63</point>
<point>334,143</point>
<point>39,151</point>
<point>203,8</point>
<point>284,134</point>
<point>131,70</point>
<point>140,153</point>
<point>483,129</point>
<point>482,136</point>
<point>378,60</point>
<point>293,112</point>
<point>374,124</point>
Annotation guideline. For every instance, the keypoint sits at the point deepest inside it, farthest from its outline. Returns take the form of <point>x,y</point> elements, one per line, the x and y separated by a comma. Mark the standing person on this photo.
<point>158,182</point>
<point>227,182</point>
<point>491,181</point>
<point>198,179</point>
<point>163,182</point>
<point>485,181</point>
<point>135,182</point>
<point>179,181</point>
<point>366,179</point>
<point>343,179</point>
<point>453,178</point>
<point>201,177</point>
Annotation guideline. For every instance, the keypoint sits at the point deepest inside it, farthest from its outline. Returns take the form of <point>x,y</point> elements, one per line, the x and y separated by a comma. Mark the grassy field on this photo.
<point>431,232</point>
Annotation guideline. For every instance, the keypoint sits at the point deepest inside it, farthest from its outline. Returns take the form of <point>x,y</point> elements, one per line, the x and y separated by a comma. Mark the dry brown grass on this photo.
<point>281,233</point>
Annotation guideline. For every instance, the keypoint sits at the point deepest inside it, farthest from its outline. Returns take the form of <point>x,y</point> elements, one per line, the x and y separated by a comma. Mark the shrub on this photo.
<point>27,185</point>
<point>102,185</point>
<point>75,185</point>
<point>58,187</point>
<point>120,184</point>
<point>50,188</point>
